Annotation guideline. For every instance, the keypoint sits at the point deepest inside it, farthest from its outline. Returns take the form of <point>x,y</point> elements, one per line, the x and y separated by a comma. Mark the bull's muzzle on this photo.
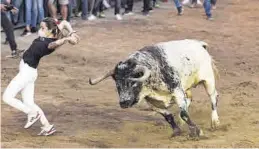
<point>126,104</point>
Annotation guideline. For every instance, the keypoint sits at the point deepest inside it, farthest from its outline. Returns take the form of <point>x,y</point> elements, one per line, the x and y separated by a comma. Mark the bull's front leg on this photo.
<point>182,102</point>
<point>168,117</point>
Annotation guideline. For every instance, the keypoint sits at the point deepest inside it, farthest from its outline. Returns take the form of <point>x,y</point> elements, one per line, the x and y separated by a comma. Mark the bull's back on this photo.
<point>188,58</point>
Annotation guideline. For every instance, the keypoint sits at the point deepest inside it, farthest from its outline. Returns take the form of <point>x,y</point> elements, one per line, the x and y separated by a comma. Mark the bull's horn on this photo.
<point>101,78</point>
<point>146,74</point>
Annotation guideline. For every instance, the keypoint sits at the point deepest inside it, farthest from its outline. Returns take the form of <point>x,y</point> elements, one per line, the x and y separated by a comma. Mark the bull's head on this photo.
<point>129,77</point>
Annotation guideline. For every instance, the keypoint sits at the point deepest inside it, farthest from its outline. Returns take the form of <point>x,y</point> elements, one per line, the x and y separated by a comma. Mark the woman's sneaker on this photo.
<point>47,131</point>
<point>15,54</point>
<point>32,118</point>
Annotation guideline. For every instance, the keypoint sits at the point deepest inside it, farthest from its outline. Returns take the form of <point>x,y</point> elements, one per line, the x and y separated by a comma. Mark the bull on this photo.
<point>163,74</point>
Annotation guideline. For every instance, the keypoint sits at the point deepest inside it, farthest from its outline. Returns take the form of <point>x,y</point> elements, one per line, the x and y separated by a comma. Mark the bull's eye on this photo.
<point>138,75</point>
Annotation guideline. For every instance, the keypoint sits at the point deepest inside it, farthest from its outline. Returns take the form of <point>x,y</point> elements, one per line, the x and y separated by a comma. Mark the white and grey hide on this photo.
<point>162,75</point>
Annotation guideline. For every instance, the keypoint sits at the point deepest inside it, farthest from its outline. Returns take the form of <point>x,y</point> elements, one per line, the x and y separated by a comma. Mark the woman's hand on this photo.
<point>57,43</point>
<point>73,39</point>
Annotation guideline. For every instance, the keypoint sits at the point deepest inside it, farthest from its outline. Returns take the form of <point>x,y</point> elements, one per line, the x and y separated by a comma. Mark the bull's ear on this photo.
<point>113,77</point>
<point>121,65</point>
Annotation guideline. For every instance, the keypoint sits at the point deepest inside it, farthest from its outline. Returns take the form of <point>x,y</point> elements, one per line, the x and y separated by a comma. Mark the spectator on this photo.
<point>179,7</point>
<point>129,7</point>
<point>33,8</point>
<point>17,4</point>
<point>78,7</point>
<point>192,3</point>
<point>207,7</point>
<point>155,4</point>
<point>9,31</point>
<point>38,5</point>
<point>64,8</point>
<point>7,13</point>
<point>195,2</point>
<point>146,9</point>
<point>71,5</point>
<point>100,10</point>
<point>97,6</point>
<point>52,9</point>
<point>213,4</point>
<point>207,4</point>
<point>117,10</point>
<point>83,5</point>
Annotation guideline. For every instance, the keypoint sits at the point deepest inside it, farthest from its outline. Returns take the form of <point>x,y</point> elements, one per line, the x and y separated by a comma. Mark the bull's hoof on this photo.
<point>215,124</point>
<point>195,132</point>
<point>177,132</point>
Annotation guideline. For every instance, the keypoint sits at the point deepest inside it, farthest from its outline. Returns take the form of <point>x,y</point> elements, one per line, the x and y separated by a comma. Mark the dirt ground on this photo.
<point>90,116</point>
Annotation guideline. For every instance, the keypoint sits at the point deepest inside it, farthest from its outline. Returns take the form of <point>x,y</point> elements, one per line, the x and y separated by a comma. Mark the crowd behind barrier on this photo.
<point>29,13</point>
<point>74,9</point>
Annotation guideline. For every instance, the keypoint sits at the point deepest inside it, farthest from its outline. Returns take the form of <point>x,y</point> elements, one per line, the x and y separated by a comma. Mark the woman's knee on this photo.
<point>7,97</point>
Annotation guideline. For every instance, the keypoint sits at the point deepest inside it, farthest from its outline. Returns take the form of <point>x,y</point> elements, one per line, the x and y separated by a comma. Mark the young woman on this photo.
<point>51,36</point>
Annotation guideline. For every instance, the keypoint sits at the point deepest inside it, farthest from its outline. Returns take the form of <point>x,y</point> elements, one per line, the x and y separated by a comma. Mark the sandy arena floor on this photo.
<point>90,116</point>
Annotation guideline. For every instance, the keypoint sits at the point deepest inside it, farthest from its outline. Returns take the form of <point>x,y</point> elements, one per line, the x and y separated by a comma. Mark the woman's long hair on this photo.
<point>52,25</point>
<point>61,30</point>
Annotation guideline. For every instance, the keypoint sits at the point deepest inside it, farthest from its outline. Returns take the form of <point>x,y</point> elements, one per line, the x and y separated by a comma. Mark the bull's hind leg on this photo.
<point>188,102</point>
<point>209,85</point>
<point>188,94</point>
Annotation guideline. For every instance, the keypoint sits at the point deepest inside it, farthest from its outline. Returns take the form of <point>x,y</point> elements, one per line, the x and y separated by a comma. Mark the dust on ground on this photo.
<point>90,116</point>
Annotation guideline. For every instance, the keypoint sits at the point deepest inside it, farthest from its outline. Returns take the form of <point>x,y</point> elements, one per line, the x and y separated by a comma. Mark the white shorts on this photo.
<point>52,1</point>
<point>63,2</point>
<point>60,2</point>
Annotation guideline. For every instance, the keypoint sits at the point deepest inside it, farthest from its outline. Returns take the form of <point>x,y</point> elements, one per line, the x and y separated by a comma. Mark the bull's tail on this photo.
<point>215,69</point>
<point>213,62</point>
<point>204,45</point>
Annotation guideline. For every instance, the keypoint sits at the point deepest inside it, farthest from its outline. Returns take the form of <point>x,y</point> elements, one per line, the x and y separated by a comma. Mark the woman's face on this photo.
<point>44,31</point>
